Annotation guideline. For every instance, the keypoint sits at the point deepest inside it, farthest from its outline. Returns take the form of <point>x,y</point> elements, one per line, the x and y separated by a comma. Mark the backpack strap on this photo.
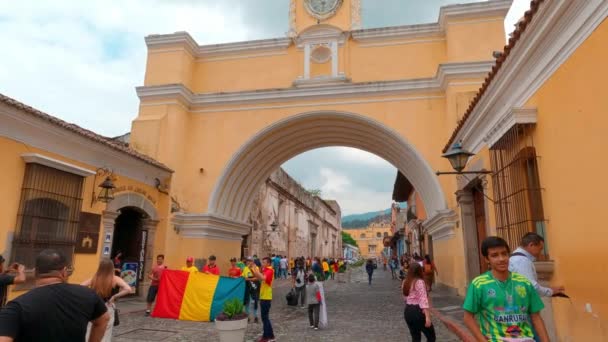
<point>518,254</point>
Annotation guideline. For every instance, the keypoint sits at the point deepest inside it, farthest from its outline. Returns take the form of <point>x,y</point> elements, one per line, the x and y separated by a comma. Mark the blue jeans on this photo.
<point>283,273</point>
<point>265,306</point>
<point>276,271</point>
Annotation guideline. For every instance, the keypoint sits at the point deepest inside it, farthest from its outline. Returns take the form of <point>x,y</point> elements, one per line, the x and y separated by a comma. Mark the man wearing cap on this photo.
<point>14,275</point>
<point>252,288</point>
<point>211,267</point>
<point>189,265</point>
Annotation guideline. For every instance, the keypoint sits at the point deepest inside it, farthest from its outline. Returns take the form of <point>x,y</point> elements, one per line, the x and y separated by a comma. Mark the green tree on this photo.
<point>314,192</point>
<point>346,238</point>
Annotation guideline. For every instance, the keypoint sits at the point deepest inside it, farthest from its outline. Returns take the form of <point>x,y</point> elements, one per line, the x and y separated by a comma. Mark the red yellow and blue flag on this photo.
<point>195,296</point>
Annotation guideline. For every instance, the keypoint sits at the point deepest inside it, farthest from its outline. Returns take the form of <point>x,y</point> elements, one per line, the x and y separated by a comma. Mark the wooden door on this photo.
<point>480,223</point>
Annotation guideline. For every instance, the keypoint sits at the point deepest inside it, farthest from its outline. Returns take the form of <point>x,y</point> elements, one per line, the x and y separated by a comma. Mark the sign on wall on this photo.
<point>142,254</point>
<point>88,233</point>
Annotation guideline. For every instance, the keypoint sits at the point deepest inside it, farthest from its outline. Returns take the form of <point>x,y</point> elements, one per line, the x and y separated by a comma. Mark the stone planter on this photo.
<point>232,331</point>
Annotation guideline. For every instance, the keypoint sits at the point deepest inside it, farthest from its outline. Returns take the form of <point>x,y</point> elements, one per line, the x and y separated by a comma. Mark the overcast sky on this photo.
<point>81,61</point>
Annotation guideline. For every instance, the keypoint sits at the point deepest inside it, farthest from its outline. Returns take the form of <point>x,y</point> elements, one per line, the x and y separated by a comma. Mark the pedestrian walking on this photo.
<point>276,263</point>
<point>393,264</point>
<point>313,299</point>
<point>154,276</point>
<point>417,313</point>
<point>54,311</point>
<point>252,289</point>
<point>369,268</point>
<point>211,267</point>
<point>299,282</point>
<point>15,274</point>
<point>325,265</point>
<point>283,263</point>
<point>266,277</point>
<point>109,288</point>
<point>317,269</point>
<point>504,302</point>
<point>430,270</point>
<point>189,265</point>
<point>292,265</point>
<point>334,268</point>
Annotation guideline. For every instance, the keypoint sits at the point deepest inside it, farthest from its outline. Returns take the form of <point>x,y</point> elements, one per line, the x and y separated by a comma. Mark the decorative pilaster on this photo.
<point>334,58</point>
<point>307,61</point>
<point>355,15</point>
<point>292,33</point>
<point>469,231</point>
<point>108,219</point>
<point>149,225</point>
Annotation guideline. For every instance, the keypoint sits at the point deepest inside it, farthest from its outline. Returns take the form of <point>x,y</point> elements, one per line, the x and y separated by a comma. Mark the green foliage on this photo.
<point>347,238</point>
<point>233,307</point>
<point>358,263</point>
<point>314,192</point>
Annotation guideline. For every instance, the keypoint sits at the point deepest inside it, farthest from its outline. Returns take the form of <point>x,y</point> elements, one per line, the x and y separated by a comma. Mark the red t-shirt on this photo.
<point>157,272</point>
<point>234,272</point>
<point>212,270</point>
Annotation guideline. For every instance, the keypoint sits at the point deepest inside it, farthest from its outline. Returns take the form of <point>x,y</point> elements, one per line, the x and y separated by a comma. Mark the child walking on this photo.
<point>313,298</point>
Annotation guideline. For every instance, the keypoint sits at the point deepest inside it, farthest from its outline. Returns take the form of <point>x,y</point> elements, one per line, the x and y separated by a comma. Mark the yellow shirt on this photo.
<point>266,289</point>
<point>325,266</point>
<point>190,269</point>
<point>246,273</point>
<point>291,263</point>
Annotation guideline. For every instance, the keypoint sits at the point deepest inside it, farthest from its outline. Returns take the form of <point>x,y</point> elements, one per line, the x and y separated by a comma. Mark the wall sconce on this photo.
<point>459,157</point>
<point>106,192</point>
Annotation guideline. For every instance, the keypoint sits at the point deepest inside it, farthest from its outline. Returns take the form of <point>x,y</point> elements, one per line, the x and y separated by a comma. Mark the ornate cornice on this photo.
<point>445,74</point>
<point>209,226</point>
<point>441,225</point>
<point>56,164</point>
<point>185,41</point>
<point>513,117</point>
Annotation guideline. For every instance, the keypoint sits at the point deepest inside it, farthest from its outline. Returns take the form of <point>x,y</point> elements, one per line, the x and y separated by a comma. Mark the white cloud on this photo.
<point>352,198</point>
<point>354,155</point>
<point>81,60</point>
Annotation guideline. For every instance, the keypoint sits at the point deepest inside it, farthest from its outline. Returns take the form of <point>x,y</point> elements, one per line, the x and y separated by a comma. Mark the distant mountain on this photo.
<point>363,220</point>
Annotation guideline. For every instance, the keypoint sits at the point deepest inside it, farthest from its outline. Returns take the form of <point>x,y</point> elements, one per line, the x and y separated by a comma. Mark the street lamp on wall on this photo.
<point>274,226</point>
<point>107,187</point>
<point>459,157</point>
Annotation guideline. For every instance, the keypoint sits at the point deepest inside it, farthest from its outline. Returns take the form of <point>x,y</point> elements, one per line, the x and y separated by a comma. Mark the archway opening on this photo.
<point>129,245</point>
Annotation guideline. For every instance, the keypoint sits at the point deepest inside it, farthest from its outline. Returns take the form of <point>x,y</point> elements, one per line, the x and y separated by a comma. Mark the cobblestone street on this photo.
<point>356,312</point>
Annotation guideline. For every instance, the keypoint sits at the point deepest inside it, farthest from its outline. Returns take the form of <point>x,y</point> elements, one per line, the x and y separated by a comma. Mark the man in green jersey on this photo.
<point>505,303</point>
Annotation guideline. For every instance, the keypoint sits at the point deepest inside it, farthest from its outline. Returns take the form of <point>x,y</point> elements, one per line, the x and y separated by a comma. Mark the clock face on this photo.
<point>322,9</point>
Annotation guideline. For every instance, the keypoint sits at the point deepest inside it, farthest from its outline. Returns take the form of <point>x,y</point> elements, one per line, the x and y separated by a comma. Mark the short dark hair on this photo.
<point>493,242</point>
<point>212,257</point>
<point>50,260</point>
<point>160,256</point>
<point>531,237</point>
<point>267,259</point>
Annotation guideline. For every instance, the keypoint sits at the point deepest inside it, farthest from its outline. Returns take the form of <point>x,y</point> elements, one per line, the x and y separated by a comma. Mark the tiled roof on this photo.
<point>116,145</point>
<point>519,30</point>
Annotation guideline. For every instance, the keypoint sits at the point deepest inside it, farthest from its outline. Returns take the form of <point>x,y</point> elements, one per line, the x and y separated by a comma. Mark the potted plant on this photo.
<point>231,323</point>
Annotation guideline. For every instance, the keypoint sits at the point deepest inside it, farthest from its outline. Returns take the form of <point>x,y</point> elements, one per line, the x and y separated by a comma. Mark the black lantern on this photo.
<point>106,194</point>
<point>458,157</point>
<point>274,226</point>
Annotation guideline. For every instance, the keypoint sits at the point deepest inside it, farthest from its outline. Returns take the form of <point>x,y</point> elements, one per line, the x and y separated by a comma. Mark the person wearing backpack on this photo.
<point>369,268</point>
<point>299,282</point>
<point>429,272</point>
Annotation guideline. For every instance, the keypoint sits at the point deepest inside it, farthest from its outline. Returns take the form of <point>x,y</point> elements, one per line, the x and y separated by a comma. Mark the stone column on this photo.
<point>469,231</point>
<point>150,226</point>
<point>108,219</point>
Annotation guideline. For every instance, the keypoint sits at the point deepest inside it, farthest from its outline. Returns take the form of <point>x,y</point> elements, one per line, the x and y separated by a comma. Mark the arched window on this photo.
<point>378,234</point>
<point>362,236</point>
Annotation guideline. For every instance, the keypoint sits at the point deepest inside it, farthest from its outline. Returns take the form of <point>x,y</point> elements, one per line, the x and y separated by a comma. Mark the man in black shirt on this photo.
<point>8,277</point>
<point>54,310</point>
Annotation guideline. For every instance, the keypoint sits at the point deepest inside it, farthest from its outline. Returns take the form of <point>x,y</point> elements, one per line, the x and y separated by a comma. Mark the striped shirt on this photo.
<point>417,295</point>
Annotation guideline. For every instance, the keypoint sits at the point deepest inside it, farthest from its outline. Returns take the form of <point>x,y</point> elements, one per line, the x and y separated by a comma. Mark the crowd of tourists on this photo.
<point>502,304</point>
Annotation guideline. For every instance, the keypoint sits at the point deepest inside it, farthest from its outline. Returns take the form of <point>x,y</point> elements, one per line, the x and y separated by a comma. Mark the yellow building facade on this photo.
<point>539,125</point>
<point>244,108</point>
<point>51,173</point>
<point>370,239</point>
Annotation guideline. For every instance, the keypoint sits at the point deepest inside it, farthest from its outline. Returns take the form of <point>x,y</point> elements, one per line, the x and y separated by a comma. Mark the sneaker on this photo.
<point>147,313</point>
<point>302,307</point>
<point>316,328</point>
<point>312,326</point>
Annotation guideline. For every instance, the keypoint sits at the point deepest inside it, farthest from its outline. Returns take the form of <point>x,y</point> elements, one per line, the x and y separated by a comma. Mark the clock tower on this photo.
<point>343,14</point>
